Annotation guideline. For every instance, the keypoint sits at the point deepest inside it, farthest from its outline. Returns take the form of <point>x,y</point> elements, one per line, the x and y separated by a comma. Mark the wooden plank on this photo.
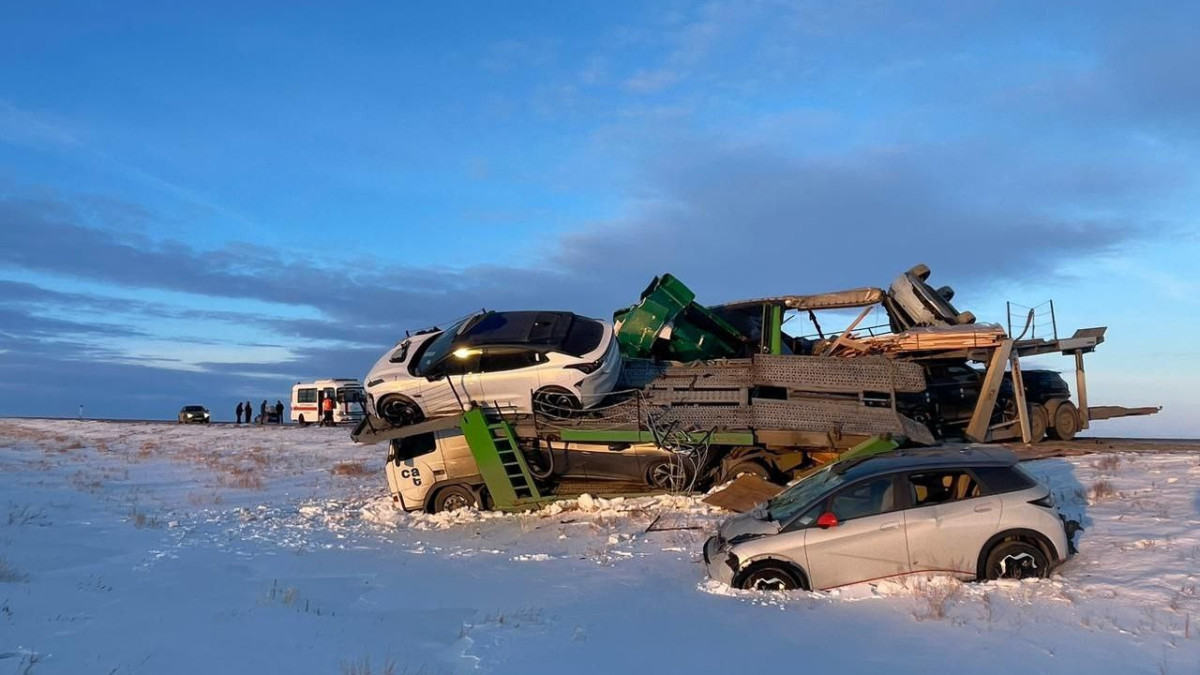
<point>1018,382</point>
<point>1081,391</point>
<point>846,333</point>
<point>743,494</point>
<point>977,429</point>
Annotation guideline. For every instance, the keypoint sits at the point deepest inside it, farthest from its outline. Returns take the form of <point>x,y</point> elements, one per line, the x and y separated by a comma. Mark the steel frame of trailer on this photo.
<point>1008,354</point>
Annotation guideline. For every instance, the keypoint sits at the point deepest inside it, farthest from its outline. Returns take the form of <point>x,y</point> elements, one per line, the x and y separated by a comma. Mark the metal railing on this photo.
<point>1031,319</point>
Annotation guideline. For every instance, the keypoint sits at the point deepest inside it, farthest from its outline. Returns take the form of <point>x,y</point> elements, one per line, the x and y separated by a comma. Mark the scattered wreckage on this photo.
<point>675,395</point>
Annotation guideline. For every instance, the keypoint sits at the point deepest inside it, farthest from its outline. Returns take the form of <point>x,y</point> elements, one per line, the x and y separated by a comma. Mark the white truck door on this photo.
<point>411,468</point>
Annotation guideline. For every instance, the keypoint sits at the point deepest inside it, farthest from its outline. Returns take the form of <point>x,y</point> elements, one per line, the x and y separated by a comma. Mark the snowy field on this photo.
<point>154,548</point>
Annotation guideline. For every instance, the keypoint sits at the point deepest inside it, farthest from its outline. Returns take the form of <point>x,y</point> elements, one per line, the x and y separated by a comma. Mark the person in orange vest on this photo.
<point>327,407</point>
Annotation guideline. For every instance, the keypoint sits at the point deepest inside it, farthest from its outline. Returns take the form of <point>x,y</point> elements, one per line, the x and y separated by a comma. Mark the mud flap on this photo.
<point>1071,527</point>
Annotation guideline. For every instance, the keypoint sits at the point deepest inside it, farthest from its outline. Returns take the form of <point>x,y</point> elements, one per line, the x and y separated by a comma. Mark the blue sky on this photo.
<point>207,202</point>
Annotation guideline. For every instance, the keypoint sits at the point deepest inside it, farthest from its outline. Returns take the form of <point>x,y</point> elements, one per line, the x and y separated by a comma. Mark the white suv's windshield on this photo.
<point>788,503</point>
<point>436,349</point>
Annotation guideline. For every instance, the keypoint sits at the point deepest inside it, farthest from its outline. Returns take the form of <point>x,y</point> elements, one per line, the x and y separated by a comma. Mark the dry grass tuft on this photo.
<point>363,667</point>
<point>240,477</point>
<point>350,469</point>
<point>1108,463</point>
<point>1101,490</point>
<point>9,574</point>
<point>198,499</point>
<point>935,597</point>
<point>141,520</point>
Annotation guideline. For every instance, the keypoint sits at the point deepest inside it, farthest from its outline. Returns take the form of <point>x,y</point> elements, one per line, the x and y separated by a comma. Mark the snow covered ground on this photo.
<point>153,548</point>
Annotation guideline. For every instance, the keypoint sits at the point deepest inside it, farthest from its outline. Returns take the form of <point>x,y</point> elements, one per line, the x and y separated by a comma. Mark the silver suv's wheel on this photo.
<point>1016,560</point>
<point>768,575</point>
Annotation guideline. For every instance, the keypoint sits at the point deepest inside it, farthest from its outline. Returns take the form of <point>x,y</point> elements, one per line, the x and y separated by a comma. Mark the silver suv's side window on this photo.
<point>928,488</point>
<point>868,498</point>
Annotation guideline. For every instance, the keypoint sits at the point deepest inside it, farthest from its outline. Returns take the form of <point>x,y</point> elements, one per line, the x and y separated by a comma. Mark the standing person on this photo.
<point>239,412</point>
<point>248,413</point>
<point>278,411</point>
<point>262,412</point>
<point>328,406</point>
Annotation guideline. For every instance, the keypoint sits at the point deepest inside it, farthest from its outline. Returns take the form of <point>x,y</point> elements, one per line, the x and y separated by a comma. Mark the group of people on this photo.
<point>263,412</point>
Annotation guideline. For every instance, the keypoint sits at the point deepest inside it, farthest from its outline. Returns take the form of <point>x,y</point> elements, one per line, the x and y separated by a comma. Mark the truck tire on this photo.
<point>752,467</point>
<point>1037,423</point>
<point>1066,422</point>
<point>454,497</point>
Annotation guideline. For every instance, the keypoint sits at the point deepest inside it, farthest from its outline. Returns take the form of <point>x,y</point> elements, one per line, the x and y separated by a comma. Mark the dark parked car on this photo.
<point>194,414</point>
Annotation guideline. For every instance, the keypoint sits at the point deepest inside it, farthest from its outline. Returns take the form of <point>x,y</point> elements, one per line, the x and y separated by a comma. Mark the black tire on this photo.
<point>300,420</point>
<point>1066,422</point>
<point>752,467</point>
<point>769,575</point>
<point>454,497</point>
<point>1038,419</point>
<point>1016,560</point>
<point>1037,423</point>
<point>556,403</point>
<point>400,411</point>
<point>673,474</point>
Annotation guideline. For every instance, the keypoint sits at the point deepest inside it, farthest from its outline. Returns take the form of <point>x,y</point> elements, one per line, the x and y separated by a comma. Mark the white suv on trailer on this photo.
<point>557,362</point>
<point>972,513</point>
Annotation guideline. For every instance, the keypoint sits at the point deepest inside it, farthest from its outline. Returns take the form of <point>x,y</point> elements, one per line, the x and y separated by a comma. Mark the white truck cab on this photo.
<point>416,465</point>
<point>432,468</point>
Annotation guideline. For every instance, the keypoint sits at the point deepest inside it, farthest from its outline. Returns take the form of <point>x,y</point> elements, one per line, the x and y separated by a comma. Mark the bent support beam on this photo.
<point>978,428</point>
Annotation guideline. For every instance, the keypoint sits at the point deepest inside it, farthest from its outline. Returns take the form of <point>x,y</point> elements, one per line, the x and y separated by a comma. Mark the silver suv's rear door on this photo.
<point>949,520</point>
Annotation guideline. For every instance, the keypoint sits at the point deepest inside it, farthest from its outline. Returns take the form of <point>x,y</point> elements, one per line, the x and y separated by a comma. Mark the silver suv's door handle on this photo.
<point>982,509</point>
<point>889,526</point>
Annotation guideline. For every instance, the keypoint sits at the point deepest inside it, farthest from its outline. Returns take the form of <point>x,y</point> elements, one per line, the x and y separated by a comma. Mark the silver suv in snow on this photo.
<point>972,513</point>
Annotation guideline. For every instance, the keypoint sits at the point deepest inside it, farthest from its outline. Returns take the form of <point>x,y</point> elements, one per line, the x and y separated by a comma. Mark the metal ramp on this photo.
<point>500,460</point>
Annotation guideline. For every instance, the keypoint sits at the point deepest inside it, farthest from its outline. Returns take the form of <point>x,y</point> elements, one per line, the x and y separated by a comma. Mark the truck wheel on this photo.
<point>1037,423</point>
<point>750,466</point>
<point>454,497</point>
<point>1066,422</point>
